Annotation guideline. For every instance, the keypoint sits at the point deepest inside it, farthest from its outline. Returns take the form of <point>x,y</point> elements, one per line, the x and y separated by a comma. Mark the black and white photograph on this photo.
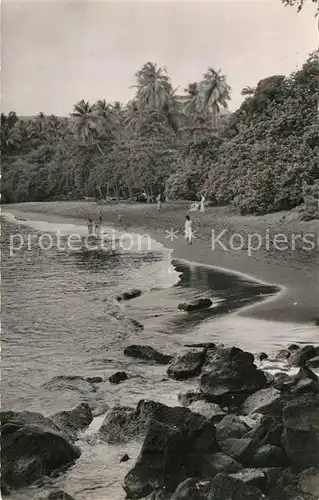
<point>160,250</point>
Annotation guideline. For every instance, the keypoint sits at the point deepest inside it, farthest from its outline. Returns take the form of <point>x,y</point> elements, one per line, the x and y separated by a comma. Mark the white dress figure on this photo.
<point>188,230</point>
<point>202,204</point>
<point>159,202</point>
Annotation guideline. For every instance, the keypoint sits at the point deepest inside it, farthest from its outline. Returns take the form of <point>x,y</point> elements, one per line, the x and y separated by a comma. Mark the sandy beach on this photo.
<point>223,239</point>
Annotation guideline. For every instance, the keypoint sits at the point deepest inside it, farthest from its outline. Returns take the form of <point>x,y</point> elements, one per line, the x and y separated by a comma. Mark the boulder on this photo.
<point>125,458</point>
<point>174,446</point>
<point>268,456</point>
<point>94,380</point>
<point>301,430</point>
<point>190,397</point>
<point>73,421</point>
<point>118,377</point>
<point>313,362</point>
<point>305,373</point>
<point>239,449</point>
<point>190,489</point>
<point>252,477</point>
<point>309,481</point>
<point>299,358</point>
<point>59,495</point>
<point>283,354</point>
<point>120,425</point>
<point>129,294</point>
<point>201,345</point>
<point>230,371</point>
<point>268,431</point>
<point>261,356</point>
<point>211,411</point>
<point>267,401</point>
<point>219,462</point>
<point>187,365</point>
<point>305,386</point>
<point>293,347</point>
<point>196,305</point>
<point>283,382</point>
<point>224,487</point>
<point>231,426</point>
<point>32,446</point>
<point>147,353</point>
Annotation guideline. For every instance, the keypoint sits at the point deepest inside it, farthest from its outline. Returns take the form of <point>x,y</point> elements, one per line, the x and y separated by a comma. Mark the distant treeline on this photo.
<point>261,158</point>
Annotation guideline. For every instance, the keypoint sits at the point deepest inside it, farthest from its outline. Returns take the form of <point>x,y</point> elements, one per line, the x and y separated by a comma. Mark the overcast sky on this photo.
<point>57,53</point>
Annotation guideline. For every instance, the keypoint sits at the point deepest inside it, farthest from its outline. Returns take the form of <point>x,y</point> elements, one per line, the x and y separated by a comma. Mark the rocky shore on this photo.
<point>243,433</point>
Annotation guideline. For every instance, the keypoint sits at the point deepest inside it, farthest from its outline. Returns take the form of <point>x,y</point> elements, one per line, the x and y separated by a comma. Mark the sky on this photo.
<point>56,53</point>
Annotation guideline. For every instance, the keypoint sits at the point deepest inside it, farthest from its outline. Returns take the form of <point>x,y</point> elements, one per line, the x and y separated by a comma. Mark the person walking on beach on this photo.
<point>188,230</point>
<point>202,204</point>
<point>90,226</point>
<point>159,201</point>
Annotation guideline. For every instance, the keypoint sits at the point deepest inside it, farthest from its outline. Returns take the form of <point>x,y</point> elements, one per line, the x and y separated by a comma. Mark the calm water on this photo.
<point>59,319</point>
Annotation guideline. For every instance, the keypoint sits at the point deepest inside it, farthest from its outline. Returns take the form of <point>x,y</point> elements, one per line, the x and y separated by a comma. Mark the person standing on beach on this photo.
<point>202,204</point>
<point>90,226</point>
<point>188,230</point>
<point>98,229</point>
<point>159,201</point>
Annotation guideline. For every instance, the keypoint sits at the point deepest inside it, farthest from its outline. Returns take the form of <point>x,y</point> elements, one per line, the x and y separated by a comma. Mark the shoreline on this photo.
<point>297,280</point>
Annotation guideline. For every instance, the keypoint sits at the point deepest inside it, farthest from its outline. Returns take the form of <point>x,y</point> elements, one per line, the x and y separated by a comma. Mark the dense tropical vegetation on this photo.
<point>261,158</point>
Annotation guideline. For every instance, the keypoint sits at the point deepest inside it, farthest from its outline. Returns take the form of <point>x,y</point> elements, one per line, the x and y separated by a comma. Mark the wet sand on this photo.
<point>293,265</point>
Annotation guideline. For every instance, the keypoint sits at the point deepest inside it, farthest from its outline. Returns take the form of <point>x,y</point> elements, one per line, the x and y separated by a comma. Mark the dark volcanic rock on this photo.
<point>231,427</point>
<point>226,487</point>
<point>174,446</point>
<point>187,365</point>
<point>269,456</point>
<point>293,347</point>
<point>239,449</point>
<point>130,294</point>
<point>299,358</point>
<point>190,489</point>
<point>230,371</point>
<point>301,431</point>
<point>147,353</point>
<point>32,446</point>
<point>74,420</point>
<point>219,462</point>
<point>283,354</point>
<point>196,305</point>
<point>211,411</point>
<point>267,401</point>
<point>189,397</point>
<point>252,477</point>
<point>283,382</point>
<point>120,425</point>
<point>202,345</point>
<point>94,380</point>
<point>125,458</point>
<point>262,355</point>
<point>313,362</point>
<point>118,377</point>
<point>59,495</point>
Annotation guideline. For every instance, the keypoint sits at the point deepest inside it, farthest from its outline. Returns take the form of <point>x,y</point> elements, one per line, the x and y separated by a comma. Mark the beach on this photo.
<point>288,265</point>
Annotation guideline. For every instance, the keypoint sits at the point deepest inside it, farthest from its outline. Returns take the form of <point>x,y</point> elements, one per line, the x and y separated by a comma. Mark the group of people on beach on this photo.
<point>94,229</point>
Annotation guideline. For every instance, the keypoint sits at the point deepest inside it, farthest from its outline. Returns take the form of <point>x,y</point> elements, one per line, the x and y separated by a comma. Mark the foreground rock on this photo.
<point>196,305</point>
<point>187,365</point>
<point>226,487</point>
<point>73,421</point>
<point>128,295</point>
<point>32,447</point>
<point>231,427</point>
<point>230,371</point>
<point>252,477</point>
<point>267,401</point>
<point>147,353</point>
<point>301,431</point>
<point>300,356</point>
<point>211,411</point>
<point>174,447</point>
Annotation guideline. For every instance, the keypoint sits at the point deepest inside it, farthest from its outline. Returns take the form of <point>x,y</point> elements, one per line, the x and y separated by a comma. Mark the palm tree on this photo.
<point>214,94</point>
<point>86,124</point>
<point>248,91</point>
<point>154,88</point>
<point>192,99</point>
